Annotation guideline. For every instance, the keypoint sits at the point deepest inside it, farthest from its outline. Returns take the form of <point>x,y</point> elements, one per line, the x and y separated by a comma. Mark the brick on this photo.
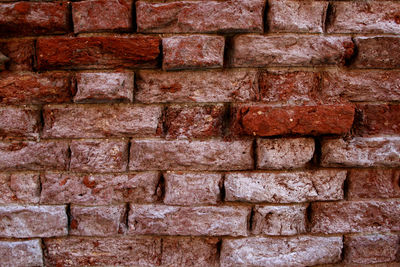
<point>282,251</point>
<point>284,153</point>
<point>21,253</point>
<point>295,87</point>
<point>193,51</point>
<point>104,86</point>
<point>34,88</point>
<point>371,85</point>
<point>91,121</point>
<point>197,86</point>
<point>97,52</point>
<point>377,52</point>
<point>296,16</point>
<point>29,18</point>
<point>190,155</point>
<point>365,17</point>
<point>361,152</point>
<point>19,121</point>
<point>99,155</point>
<point>97,221</point>
<point>191,188</point>
<point>99,189</point>
<point>377,119</point>
<point>194,121</point>
<point>369,249</point>
<point>204,16</point>
<point>174,220</point>
<point>20,53</point>
<point>33,155</point>
<point>102,15</point>
<point>290,50</point>
<point>279,220</point>
<point>285,187</point>
<point>355,216</point>
<point>33,221</point>
<point>189,251</point>
<point>265,120</point>
<point>116,251</point>
<point>3,60</point>
<point>374,183</point>
<point>19,188</point>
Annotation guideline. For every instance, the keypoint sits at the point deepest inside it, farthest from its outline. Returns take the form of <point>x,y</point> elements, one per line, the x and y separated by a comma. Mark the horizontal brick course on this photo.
<point>19,188</point>
<point>21,253</point>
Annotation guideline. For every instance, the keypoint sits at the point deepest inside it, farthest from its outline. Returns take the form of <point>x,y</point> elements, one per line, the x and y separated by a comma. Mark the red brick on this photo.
<point>296,16</point>
<point>19,121</point>
<point>197,86</point>
<point>21,253</point>
<point>194,121</point>
<point>90,121</point>
<point>175,220</point>
<point>264,120</point>
<point>3,60</point>
<point>97,52</point>
<point>193,51</point>
<point>114,251</point>
<point>102,15</point>
<point>290,50</point>
<point>378,119</point>
<point>29,18</point>
<point>99,155</point>
<point>33,221</point>
<point>19,188</point>
<point>20,53</point>
<point>377,52</point>
<point>204,16</point>
<point>34,88</point>
<point>356,216</point>
<point>190,155</point>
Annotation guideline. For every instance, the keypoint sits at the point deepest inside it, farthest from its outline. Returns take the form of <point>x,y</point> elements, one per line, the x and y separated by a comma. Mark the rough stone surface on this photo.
<point>283,251</point>
<point>19,121</point>
<point>33,221</point>
<point>290,50</point>
<point>361,152</point>
<point>285,187</point>
<point>190,155</point>
<point>197,86</point>
<point>378,119</point>
<point>19,52</point>
<point>192,188</point>
<point>174,220</point>
<point>104,86</point>
<point>377,52</point>
<point>284,153</point>
<point>91,121</point>
<point>193,51</point>
<point>21,253</point>
<point>201,16</point>
<point>3,61</point>
<point>19,188</point>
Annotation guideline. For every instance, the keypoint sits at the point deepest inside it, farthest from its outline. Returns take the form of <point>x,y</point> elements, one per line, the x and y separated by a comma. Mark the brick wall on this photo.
<point>199,133</point>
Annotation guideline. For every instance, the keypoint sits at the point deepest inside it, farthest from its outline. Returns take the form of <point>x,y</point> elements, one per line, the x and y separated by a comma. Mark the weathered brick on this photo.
<point>99,155</point>
<point>282,251</point>
<point>296,16</point>
<point>30,18</point>
<point>3,60</point>
<point>114,251</point>
<point>99,189</point>
<point>174,220</point>
<point>34,88</point>
<point>377,119</point>
<point>97,52</point>
<point>91,121</point>
<point>19,188</point>
<point>197,86</point>
<point>19,121</point>
<point>374,183</point>
<point>190,155</point>
<point>193,51</point>
<point>192,188</point>
<point>377,52</point>
<point>355,216</point>
<point>104,86</point>
<point>361,152</point>
<point>33,155</point>
<point>33,221</point>
<point>20,53</point>
<point>284,153</point>
<point>21,253</point>
<point>279,220</point>
<point>102,15</point>
<point>204,16</point>
<point>97,221</point>
<point>290,50</point>
<point>265,120</point>
<point>285,187</point>
<point>194,121</point>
